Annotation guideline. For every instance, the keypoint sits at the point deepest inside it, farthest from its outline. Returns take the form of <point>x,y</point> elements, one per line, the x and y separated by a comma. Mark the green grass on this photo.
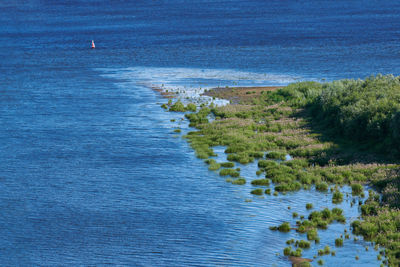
<point>264,182</point>
<point>257,191</point>
<point>276,155</point>
<point>339,242</point>
<point>230,172</point>
<point>214,166</point>
<point>303,120</point>
<point>240,181</point>
<point>356,189</point>
<point>337,197</point>
<point>227,164</point>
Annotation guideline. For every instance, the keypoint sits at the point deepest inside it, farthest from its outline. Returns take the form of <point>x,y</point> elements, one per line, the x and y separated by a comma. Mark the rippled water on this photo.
<point>91,172</point>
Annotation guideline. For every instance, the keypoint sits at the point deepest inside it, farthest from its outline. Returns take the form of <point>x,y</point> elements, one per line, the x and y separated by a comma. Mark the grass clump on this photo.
<point>309,206</point>
<point>227,164</point>
<point>240,181</point>
<point>312,234</point>
<point>276,155</point>
<point>304,244</point>
<point>322,187</point>
<point>267,163</point>
<point>257,191</point>
<point>268,191</point>
<point>214,166</point>
<point>264,182</point>
<point>337,197</point>
<point>177,131</point>
<point>177,107</point>
<point>284,227</point>
<point>339,242</point>
<point>191,107</point>
<point>230,172</point>
<point>356,189</point>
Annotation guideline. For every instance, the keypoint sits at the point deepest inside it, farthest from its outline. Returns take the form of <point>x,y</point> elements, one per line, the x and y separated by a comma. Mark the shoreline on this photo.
<point>288,133</point>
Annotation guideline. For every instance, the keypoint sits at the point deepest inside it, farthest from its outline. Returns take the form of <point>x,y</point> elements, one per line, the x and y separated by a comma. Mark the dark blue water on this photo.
<point>90,171</point>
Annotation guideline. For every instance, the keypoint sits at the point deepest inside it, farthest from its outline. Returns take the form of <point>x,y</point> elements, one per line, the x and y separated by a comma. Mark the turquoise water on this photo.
<point>91,172</point>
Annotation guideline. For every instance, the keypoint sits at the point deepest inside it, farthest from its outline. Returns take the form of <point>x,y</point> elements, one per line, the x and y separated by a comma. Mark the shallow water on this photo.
<point>91,172</point>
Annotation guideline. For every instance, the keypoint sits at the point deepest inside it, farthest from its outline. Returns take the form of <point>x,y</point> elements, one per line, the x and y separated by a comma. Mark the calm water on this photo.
<point>90,170</point>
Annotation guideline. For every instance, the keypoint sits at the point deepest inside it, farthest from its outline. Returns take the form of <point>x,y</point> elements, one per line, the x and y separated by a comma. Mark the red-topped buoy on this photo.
<point>93,46</point>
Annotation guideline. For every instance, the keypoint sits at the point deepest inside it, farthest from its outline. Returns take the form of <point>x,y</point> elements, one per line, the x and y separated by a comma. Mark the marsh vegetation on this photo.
<point>338,133</point>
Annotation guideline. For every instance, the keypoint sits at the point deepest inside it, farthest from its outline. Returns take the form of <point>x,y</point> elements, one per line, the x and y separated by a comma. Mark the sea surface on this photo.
<point>91,172</point>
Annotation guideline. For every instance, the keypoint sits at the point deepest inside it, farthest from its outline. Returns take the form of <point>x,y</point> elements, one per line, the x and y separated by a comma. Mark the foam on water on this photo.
<point>190,83</point>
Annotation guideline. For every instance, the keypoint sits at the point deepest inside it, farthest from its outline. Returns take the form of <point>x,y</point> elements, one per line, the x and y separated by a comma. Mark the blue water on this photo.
<point>90,170</point>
